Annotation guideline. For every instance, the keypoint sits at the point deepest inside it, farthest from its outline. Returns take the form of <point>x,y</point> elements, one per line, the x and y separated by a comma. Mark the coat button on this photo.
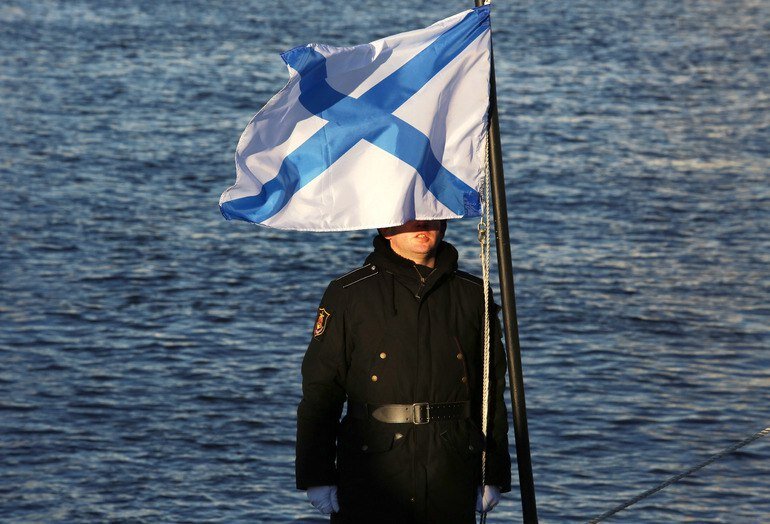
<point>470,447</point>
<point>383,355</point>
<point>464,380</point>
<point>374,378</point>
<point>459,356</point>
<point>374,268</point>
<point>364,447</point>
<point>411,499</point>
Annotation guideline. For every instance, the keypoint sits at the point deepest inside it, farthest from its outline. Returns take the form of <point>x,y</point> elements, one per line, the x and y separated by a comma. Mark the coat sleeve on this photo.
<point>323,394</point>
<point>498,456</point>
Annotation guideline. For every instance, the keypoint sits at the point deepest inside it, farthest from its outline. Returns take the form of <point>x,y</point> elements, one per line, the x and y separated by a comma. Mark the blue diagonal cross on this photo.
<point>369,117</point>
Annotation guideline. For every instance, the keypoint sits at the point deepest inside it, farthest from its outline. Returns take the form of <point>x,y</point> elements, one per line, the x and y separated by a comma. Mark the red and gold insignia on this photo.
<point>320,323</point>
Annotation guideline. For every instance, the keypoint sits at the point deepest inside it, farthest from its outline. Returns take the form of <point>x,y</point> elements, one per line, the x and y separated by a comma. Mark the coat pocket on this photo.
<point>368,454</point>
<point>369,440</point>
<point>465,439</point>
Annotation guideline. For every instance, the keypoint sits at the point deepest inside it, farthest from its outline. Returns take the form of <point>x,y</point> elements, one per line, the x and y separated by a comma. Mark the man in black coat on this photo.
<point>401,341</point>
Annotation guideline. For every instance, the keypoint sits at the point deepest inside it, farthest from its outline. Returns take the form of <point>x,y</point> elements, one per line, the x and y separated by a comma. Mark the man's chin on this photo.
<point>422,251</point>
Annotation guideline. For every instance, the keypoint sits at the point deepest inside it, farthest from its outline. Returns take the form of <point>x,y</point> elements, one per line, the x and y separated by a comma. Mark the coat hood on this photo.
<point>418,279</point>
<point>387,259</point>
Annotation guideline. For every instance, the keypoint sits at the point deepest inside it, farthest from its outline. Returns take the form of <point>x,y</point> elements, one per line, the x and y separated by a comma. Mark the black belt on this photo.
<point>418,413</point>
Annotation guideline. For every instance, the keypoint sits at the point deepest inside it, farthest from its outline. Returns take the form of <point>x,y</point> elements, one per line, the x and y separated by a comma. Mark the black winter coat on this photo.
<point>392,332</point>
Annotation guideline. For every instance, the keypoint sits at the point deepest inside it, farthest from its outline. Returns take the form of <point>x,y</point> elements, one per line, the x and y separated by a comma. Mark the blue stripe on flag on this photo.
<point>409,78</point>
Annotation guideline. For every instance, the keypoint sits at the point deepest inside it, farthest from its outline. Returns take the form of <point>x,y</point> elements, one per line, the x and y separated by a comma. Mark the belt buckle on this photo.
<point>420,413</point>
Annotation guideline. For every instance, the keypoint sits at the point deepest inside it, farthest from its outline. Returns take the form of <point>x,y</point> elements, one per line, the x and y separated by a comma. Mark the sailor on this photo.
<point>400,341</point>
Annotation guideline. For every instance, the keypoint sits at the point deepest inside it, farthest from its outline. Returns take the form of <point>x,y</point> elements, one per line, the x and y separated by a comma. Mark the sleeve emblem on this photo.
<point>320,323</point>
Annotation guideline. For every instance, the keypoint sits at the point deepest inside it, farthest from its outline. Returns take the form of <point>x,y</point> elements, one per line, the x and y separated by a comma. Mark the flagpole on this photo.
<point>510,322</point>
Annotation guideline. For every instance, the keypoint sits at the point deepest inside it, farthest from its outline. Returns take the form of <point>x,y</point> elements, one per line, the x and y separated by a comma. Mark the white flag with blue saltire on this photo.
<point>372,135</point>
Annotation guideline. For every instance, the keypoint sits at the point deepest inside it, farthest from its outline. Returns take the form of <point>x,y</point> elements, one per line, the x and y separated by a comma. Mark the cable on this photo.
<point>680,476</point>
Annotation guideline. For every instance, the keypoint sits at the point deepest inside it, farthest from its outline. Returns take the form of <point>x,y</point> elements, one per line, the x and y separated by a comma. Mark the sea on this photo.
<point>150,350</point>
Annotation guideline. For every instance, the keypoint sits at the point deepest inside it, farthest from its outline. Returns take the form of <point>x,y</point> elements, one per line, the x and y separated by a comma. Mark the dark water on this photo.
<point>150,351</point>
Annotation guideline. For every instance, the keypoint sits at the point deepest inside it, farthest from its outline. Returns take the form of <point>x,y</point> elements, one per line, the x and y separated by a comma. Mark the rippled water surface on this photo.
<point>150,350</point>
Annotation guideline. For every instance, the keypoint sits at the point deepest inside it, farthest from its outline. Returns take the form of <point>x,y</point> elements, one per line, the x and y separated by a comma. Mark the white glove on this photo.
<point>324,498</point>
<point>487,501</point>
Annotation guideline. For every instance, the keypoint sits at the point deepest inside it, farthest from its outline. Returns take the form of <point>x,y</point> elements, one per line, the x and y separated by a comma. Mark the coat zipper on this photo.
<point>423,280</point>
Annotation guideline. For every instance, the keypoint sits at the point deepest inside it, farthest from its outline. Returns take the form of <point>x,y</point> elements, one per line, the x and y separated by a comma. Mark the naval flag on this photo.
<point>371,135</point>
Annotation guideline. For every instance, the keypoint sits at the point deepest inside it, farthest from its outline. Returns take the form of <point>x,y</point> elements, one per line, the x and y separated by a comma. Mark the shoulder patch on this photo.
<point>470,278</point>
<point>320,323</point>
<point>357,275</point>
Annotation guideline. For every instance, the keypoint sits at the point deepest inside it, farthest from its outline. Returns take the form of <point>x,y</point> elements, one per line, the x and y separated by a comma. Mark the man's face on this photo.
<point>415,240</point>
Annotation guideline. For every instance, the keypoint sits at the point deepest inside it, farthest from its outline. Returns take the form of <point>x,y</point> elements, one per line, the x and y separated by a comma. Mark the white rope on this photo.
<point>484,228</point>
<point>680,476</point>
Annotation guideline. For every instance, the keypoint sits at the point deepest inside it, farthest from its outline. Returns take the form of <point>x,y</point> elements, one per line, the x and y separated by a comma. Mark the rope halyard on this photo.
<point>680,476</point>
<point>484,228</point>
